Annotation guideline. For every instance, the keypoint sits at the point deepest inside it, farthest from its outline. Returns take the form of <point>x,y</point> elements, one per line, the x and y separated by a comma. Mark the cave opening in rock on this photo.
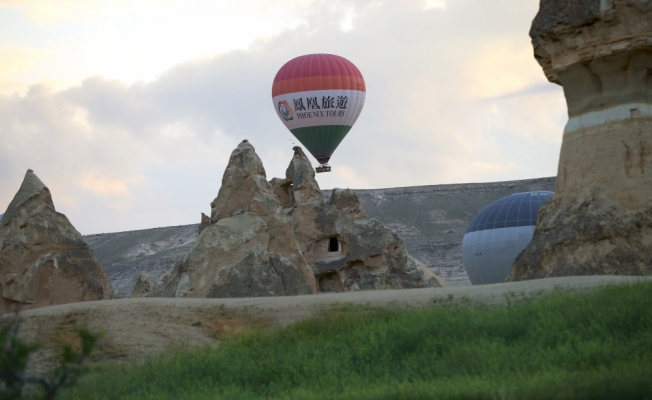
<point>333,245</point>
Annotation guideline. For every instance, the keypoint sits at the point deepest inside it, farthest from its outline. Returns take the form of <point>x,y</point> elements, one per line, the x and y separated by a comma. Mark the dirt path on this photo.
<point>138,328</point>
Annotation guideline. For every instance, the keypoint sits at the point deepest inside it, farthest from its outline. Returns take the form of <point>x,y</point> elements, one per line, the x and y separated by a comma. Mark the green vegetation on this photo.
<point>593,345</point>
<point>15,383</point>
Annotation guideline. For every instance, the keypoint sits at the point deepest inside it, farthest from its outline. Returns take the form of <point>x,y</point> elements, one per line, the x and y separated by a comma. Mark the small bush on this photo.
<point>14,355</point>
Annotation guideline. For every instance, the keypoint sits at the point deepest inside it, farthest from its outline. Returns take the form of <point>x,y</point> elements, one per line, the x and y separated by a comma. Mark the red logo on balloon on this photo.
<point>285,110</point>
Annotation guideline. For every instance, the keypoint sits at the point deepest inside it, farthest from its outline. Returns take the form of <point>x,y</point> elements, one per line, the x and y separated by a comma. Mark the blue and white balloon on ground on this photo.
<point>498,233</point>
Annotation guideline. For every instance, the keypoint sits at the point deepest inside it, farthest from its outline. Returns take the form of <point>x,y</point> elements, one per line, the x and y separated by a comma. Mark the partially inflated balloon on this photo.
<point>319,97</point>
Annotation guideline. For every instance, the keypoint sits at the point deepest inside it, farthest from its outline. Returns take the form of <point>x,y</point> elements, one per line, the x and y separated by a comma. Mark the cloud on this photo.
<point>133,40</point>
<point>454,95</point>
<point>435,4</point>
<point>109,188</point>
<point>14,60</point>
<point>46,11</point>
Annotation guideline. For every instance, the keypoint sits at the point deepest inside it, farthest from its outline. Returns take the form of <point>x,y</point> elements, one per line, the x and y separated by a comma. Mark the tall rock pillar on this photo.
<point>600,219</point>
<point>44,260</point>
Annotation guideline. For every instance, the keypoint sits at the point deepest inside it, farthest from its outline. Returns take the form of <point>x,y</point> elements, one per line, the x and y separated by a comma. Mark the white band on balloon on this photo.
<point>489,254</point>
<point>319,107</point>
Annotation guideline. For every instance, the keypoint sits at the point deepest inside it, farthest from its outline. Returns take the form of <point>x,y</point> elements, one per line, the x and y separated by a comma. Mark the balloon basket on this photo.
<point>323,168</point>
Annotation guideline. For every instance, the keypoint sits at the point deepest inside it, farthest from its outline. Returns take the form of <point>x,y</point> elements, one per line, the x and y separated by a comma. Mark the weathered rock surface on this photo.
<point>144,286</point>
<point>431,221</point>
<point>44,260</point>
<point>154,251</point>
<point>284,238</point>
<point>588,236</point>
<point>205,222</point>
<point>249,250</point>
<point>347,250</point>
<point>244,177</point>
<point>598,221</point>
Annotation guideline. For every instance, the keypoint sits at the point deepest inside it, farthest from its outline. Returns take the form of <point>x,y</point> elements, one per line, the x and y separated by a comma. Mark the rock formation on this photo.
<point>431,221</point>
<point>249,249</point>
<point>153,251</point>
<point>44,260</point>
<point>144,286</point>
<point>283,238</point>
<point>205,222</point>
<point>600,219</point>
<point>347,250</point>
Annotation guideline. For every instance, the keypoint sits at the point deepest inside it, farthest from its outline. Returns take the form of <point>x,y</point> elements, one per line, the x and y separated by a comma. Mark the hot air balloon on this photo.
<point>319,97</point>
<point>498,233</point>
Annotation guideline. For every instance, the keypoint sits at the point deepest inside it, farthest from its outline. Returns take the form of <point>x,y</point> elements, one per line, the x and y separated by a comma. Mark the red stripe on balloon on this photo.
<point>317,72</point>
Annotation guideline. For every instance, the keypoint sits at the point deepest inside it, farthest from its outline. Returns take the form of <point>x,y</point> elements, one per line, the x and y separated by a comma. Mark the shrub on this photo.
<point>14,355</point>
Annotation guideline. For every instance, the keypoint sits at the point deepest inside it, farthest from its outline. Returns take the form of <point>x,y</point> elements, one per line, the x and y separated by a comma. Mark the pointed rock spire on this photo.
<point>302,175</point>
<point>32,186</point>
<point>286,238</point>
<point>243,177</point>
<point>44,260</point>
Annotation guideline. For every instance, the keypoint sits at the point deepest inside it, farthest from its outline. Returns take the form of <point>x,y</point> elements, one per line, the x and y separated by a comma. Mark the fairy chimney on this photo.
<point>600,219</point>
<point>44,260</point>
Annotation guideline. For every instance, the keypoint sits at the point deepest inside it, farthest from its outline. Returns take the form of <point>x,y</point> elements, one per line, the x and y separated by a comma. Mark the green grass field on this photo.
<point>593,345</point>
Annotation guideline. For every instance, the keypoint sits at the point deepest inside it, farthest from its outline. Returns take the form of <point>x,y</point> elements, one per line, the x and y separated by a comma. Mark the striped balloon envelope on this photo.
<point>319,97</point>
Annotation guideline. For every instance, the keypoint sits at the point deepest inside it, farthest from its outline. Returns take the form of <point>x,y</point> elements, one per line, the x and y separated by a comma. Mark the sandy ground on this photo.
<point>136,329</point>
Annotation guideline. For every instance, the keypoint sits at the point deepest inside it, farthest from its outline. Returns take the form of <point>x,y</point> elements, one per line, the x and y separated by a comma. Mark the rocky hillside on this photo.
<point>431,220</point>
<point>125,254</point>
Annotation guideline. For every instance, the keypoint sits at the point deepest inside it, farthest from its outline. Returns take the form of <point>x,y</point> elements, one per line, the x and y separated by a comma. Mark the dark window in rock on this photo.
<point>333,245</point>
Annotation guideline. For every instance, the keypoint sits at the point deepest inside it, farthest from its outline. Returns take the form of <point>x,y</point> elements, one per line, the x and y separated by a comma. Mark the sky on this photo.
<point>128,110</point>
